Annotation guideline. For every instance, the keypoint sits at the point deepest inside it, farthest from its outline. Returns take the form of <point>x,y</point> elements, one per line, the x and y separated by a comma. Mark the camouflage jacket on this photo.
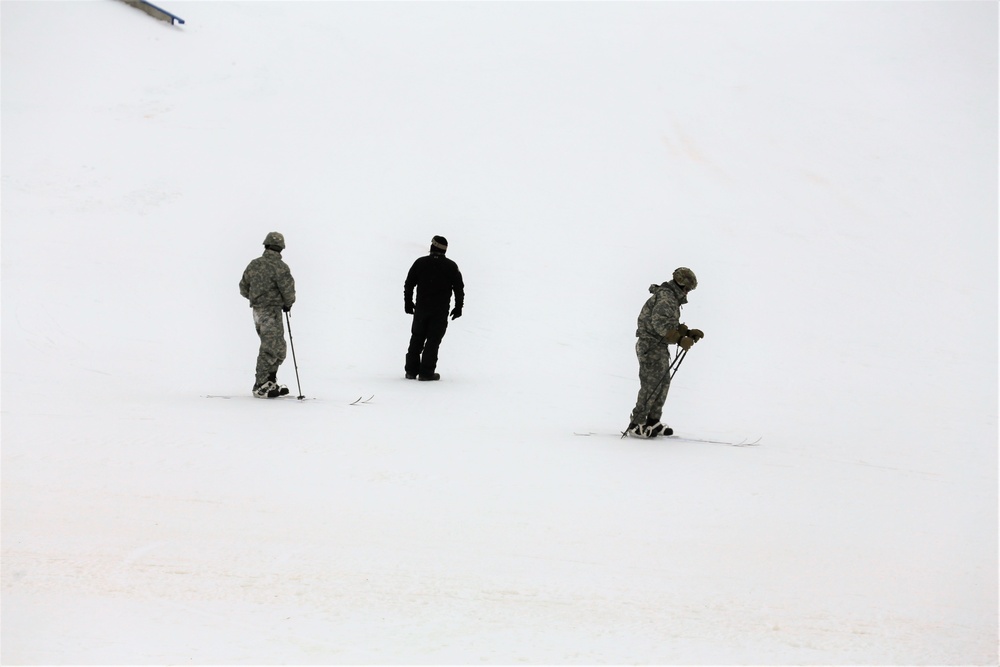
<point>662,311</point>
<point>268,281</point>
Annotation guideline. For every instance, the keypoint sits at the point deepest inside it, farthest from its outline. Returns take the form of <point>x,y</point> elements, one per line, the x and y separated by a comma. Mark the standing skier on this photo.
<point>659,326</point>
<point>435,277</point>
<point>267,282</point>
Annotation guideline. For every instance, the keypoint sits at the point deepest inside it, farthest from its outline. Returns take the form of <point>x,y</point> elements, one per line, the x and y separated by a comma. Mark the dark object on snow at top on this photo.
<point>154,11</point>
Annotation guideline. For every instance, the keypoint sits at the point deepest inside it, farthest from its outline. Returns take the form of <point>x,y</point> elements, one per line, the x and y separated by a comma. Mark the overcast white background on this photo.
<point>829,170</point>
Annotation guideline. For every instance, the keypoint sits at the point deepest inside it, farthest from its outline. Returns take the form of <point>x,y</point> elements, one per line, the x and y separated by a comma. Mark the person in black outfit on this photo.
<point>435,277</point>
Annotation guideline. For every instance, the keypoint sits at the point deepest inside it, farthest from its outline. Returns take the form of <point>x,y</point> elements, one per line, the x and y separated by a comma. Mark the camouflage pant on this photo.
<point>271,330</point>
<point>654,381</point>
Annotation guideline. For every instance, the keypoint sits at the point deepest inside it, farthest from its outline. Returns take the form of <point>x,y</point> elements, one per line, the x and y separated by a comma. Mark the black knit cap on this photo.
<point>439,244</point>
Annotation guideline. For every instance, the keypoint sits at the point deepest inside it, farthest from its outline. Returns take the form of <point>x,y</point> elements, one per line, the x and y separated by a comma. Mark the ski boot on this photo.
<point>282,389</point>
<point>655,428</point>
<point>267,390</point>
<point>636,430</point>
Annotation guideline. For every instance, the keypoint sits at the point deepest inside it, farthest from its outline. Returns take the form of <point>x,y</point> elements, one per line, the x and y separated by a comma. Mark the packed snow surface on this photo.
<point>829,171</point>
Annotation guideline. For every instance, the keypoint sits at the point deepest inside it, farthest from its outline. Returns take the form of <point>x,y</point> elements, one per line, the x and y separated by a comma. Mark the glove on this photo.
<point>287,309</point>
<point>457,313</point>
<point>408,307</point>
<point>685,343</point>
<point>696,334</point>
<point>675,335</point>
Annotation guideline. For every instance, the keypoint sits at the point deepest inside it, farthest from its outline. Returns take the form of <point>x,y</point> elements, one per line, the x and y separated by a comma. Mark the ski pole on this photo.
<point>291,344</point>
<point>672,371</point>
<point>677,364</point>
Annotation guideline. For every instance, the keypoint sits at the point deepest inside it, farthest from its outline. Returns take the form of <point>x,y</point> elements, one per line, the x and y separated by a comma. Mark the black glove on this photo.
<point>685,343</point>
<point>457,313</point>
<point>696,334</point>
<point>287,309</point>
<point>409,307</point>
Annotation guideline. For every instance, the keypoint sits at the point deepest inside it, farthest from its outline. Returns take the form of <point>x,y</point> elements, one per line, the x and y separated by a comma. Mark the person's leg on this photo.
<point>418,337</point>
<point>437,325</point>
<point>654,381</point>
<point>273,349</point>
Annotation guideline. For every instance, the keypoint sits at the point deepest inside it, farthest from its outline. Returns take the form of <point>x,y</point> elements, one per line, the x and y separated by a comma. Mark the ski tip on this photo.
<point>361,400</point>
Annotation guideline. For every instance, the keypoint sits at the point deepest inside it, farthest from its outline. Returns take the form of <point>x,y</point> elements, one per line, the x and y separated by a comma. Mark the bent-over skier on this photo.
<point>658,327</point>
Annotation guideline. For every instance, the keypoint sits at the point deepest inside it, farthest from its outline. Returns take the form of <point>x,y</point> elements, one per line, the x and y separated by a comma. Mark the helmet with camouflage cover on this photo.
<point>275,239</point>
<point>685,277</point>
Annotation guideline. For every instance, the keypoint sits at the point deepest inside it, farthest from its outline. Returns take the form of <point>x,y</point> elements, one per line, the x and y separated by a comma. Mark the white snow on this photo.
<point>829,170</point>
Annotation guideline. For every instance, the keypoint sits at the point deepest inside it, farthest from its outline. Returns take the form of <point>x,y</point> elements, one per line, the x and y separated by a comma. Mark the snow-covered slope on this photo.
<point>829,170</point>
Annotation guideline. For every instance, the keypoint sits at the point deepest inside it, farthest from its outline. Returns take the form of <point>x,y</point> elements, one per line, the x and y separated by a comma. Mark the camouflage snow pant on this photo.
<point>271,330</point>
<point>654,362</point>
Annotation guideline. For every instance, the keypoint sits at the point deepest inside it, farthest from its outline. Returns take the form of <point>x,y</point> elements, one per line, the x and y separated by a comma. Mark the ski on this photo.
<point>745,442</point>
<point>272,398</point>
<point>360,400</point>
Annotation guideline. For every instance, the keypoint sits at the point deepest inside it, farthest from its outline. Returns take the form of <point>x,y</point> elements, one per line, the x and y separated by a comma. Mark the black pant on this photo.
<point>425,339</point>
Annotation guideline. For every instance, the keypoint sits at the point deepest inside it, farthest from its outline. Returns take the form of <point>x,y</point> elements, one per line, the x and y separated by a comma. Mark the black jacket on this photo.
<point>435,277</point>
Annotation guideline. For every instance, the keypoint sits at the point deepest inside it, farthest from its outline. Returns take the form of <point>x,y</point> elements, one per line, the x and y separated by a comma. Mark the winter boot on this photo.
<point>429,378</point>
<point>655,428</point>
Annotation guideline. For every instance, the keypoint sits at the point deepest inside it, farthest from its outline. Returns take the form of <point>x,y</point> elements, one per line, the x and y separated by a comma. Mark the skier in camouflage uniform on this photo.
<point>267,282</point>
<point>658,327</point>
